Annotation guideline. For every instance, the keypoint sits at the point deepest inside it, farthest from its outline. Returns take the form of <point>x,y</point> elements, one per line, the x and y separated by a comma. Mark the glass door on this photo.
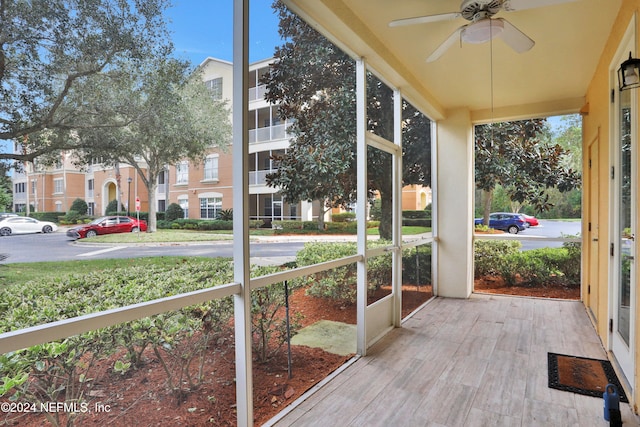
<point>624,236</point>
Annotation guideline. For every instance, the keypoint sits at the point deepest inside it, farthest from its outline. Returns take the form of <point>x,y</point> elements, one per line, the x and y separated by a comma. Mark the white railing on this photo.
<point>259,177</point>
<point>40,334</point>
<point>269,133</point>
<point>257,93</point>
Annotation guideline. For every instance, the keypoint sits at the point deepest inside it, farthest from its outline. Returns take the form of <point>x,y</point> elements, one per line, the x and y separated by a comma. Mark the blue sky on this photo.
<point>202,28</point>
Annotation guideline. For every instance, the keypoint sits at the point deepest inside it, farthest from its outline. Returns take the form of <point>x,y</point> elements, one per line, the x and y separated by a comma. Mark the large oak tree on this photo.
<point>56,58</point>
<point>313,83</point>
<point>175,117</point>
<point>518,156</point>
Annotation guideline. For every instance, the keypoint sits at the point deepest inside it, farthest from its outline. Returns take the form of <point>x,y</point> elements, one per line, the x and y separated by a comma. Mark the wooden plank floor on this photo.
<point>475,362</point>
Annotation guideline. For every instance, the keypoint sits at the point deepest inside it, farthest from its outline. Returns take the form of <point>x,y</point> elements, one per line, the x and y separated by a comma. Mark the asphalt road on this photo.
<point>58,247</point>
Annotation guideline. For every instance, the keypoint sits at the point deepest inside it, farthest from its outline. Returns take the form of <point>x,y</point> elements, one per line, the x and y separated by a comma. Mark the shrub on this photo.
<point>174,211</point>
<point>79,206</point>
<point>269,331</point>
<point>47,216</point>
<point>339,283</point>
<point>343,217</point>
<point>572,266</point>
<point>379,271</point>
<point>62,370</point>
<point>412,214</point>
<point>225,215</point>
<point>164,224</point>
<point>489,254</point>
<point>342,227</point>
<point>416,265</point>
<point>72,217</point>
<point>287,225</point>
<point>112,207</point>
<point>417,222</point>
<point>542,267</point>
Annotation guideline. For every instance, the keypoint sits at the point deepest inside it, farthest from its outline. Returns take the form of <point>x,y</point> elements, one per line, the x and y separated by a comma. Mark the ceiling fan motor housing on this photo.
<point>472,10</point>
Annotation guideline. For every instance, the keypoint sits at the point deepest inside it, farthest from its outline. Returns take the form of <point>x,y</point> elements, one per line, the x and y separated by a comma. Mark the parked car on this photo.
<point>107,225</point>
<point>531,220</point>
<point>506,221</point>
<point>24,225</point>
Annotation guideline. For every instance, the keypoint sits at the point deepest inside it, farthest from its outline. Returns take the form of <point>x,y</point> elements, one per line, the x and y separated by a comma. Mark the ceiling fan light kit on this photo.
<point>482,27</point>
<point>482,31</point>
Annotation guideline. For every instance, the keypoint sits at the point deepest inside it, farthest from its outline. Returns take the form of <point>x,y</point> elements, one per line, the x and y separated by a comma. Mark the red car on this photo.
<point>532,220</point>
<point>107,225</point>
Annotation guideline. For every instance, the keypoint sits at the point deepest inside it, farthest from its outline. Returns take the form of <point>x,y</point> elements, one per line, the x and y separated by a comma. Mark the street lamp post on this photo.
<point>129,194</point>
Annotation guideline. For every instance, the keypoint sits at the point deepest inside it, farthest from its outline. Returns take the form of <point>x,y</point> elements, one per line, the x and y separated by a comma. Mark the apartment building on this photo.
<point>202,189</point>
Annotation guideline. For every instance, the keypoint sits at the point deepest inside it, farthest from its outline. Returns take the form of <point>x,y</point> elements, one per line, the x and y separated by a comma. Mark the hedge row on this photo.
<point>203,224</point>
<point>536,267</point>
<point>340,283</point>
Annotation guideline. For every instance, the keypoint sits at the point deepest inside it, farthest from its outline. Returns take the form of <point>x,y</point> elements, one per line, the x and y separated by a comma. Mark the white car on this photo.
<point>24,225</point>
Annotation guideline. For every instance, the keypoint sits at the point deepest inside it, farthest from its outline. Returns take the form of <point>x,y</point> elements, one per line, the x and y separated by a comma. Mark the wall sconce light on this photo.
<point>629,73</point>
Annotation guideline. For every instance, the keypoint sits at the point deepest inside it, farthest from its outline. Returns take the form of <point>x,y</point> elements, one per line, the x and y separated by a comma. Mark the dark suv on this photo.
<point>506,221</point>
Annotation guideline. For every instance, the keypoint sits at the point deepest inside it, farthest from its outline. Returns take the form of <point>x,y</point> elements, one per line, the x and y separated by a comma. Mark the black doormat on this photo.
<point>582,375</point>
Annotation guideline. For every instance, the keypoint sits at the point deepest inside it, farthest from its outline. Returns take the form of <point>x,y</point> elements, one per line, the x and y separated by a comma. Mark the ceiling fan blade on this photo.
<point>511,5</point>
<point>425,19</point>
<point>450,41</point>
<point>514,38</point>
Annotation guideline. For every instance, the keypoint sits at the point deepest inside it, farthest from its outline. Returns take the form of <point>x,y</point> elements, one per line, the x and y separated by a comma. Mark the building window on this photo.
<point>58,185</point>
<point>58,206</point>
<point>90,185</point>
<point>34,186</point>
<point>20,187</point>
<point>215,86</point>
<point>182,173</point>
<point>162,205</point>
<point>211,168</point>
<point>210,207</point>
<point>184,204</point>
<point>91,208</point>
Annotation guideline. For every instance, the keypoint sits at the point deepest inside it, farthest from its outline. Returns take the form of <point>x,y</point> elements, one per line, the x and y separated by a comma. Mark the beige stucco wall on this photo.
<point>597,130</point>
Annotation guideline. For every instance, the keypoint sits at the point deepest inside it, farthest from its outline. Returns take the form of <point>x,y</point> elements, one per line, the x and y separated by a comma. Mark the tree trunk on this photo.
<point>321,218</point>
<point>151,188</point>
<point>487,198</point>
<point>386,216</point>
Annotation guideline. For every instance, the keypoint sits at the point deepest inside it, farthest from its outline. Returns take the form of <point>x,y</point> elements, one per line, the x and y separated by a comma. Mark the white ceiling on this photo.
<point>551,78</point>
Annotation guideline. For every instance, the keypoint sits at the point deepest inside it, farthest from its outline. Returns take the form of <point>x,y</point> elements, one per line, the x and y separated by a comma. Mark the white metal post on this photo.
<point>241,263</point>
<point>361,214</point>
<point>397,210</point>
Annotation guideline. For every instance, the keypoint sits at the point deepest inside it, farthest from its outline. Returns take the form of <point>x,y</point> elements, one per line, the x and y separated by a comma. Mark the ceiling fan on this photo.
<point>482,27</point>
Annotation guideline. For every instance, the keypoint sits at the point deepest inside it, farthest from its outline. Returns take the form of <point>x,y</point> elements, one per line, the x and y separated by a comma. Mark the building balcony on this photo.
<point>269,133</point>
<point>257,93</point>
<point>259,177</point>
